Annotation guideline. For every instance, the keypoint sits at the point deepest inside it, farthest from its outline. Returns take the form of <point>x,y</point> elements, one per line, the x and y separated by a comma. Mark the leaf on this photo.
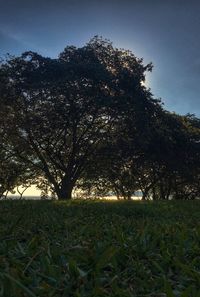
<point>168,290</point>
<point>186,292</point>
<point>18,283</point>
<point>105,257</point>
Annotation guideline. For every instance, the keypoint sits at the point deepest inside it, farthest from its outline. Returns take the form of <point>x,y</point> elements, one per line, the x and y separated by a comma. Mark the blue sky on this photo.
<point>164,32</point>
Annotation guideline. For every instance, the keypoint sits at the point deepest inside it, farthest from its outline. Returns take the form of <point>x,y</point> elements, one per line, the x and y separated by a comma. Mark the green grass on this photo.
<point>95,248</point>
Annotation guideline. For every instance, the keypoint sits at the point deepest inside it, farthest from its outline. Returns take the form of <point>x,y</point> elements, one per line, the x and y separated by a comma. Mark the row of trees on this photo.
<point>85,120</point>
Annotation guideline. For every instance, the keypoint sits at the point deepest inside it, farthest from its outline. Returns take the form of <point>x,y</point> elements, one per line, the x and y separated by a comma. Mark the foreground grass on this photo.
<point>99,249</point>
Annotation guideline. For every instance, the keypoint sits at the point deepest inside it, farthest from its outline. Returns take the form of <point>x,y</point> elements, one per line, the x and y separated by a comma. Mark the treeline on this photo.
<point>86,120</point>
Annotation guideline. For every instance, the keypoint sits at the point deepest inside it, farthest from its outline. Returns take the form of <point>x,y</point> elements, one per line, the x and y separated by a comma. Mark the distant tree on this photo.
<point>14,174</point>
<point>8,177</point>
<point>10,168</point>
<point>172,164</point>
<point>186,179</point>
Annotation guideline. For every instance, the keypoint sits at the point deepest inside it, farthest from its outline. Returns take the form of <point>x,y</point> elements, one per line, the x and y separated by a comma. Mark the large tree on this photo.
<point>60,110</point>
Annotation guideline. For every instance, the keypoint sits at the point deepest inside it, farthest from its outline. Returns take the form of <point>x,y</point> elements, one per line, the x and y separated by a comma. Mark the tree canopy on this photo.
<point>86,118</point>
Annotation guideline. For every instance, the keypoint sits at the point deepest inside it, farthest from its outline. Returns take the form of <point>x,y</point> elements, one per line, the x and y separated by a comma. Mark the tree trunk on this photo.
<point>154,196</point>
<point>65,192</point>
<point>145,194</point>
<point>129,195</point>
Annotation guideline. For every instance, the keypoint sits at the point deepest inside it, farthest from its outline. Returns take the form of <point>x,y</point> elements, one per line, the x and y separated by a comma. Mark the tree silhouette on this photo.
<point>87,119</point>
<point>61,109</point>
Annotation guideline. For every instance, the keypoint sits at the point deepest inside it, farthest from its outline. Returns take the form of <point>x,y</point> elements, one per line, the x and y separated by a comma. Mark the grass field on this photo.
<point>94,248</point>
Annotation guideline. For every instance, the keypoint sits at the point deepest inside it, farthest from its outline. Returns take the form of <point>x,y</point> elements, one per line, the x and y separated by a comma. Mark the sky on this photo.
<point>166,33</point>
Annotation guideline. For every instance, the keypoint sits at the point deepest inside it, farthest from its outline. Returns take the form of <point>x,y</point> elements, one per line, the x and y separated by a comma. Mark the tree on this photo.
<point>171,169</point>
<point>187,155</point>
<point>60,110</point>
<point>122,164</point>
<point>10,168</point>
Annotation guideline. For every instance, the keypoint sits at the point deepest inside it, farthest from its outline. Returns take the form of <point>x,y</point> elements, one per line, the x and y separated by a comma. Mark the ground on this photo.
<point>99,248</point>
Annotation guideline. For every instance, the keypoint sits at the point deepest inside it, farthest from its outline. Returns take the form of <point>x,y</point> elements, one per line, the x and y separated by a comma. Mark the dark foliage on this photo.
<point>86,119</point>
